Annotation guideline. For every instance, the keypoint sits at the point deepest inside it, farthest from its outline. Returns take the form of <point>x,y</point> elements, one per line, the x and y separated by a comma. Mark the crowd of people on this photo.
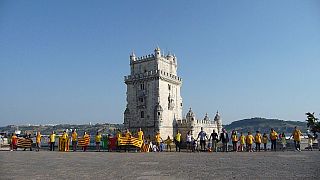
<point>240,141</point>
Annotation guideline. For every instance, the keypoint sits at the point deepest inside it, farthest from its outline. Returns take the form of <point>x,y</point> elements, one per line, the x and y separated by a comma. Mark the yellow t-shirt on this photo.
<point>74,136</point>
<point>98,138</point>
<point>178,137</point>
<point>273,135</point>
<point>64,136</point>
<point>264,139</point>
<point>296,135</point>
<point>168,141</point>
<point>250,139</point>
<point>242,139</point>
<point>128,134</point>
<point>158,138</point>
<point>140,135</point>
<point>234,138</point>
<point>257,138</point>
<point>52,137</point>
<point>38,138</point>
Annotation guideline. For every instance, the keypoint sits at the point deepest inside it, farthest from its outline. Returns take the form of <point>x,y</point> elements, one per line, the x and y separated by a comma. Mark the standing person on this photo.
<point>310,140</point>
<point>258,140</point>
<point>128,135</point>
<point>214,139</point>
<point>189,141</point>
<point>140,136</point>
<point>242,140</point>
<point>178,141</point>
<point>168,143</point>
<point>296,138</point>
<point>265,141</point>
<point>249,141</point>
<point>203,136</point>
<point>14,142</point>
<point>273,138</point>
<point>74,137</point>
<point>224,138</point>
<point>158,140</point>
<point>52,139</point>
<point>65,138</point>
<point>283,141</point>
<point>38,141</point>
<point>85,146</point>
<point>234,138</point>
<point>98,141</point>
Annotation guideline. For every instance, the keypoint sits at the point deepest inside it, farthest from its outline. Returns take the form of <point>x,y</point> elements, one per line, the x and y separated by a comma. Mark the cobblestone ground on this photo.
<point>105,165</point>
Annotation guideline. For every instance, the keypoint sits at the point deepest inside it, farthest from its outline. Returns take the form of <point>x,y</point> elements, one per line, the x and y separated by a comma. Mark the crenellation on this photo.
<point>154,101</point>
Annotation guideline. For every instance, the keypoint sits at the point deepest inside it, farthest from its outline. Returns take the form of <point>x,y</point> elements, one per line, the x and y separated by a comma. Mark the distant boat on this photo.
<point>17,132</point>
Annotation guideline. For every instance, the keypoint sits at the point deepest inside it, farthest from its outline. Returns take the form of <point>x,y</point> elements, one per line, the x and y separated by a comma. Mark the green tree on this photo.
<point>313,122</point>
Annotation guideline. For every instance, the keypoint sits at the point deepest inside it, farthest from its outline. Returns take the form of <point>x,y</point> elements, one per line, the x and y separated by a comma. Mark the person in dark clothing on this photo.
<point>214,139</point>
<point>224,138</point>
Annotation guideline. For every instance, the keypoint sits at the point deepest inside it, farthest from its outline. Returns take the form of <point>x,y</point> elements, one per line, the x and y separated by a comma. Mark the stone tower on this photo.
<point>154,102</point>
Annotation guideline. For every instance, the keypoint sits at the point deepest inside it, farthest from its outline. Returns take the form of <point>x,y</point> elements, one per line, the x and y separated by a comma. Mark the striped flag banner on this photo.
<point>133,141</point>
<point>84,141</point>
<point>24,143</point>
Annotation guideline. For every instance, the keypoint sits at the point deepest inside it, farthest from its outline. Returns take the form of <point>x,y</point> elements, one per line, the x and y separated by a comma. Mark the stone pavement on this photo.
<point>105,165</point>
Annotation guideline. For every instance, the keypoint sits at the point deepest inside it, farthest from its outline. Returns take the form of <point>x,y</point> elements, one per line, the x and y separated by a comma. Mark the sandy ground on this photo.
<point>105,165</point>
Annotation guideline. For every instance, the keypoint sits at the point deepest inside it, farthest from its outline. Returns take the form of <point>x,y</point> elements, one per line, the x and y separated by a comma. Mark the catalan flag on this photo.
<point>84,141</point>
<point>24,143</point>
<point>133,141</point>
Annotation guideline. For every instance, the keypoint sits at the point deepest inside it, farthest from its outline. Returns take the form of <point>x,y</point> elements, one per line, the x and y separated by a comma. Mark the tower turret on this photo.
<point>132,57</point>
<point>218,121</point>
<point>157,52</point>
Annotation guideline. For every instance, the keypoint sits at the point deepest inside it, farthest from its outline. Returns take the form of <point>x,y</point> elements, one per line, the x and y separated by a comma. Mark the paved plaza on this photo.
<point>105,165</point>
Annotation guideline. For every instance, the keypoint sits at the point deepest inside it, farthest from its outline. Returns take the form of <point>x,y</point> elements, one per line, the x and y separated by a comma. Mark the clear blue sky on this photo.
<point>64,61</point>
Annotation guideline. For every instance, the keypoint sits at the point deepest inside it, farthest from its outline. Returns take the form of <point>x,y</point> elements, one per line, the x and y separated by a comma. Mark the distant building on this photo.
<point>154,102</point>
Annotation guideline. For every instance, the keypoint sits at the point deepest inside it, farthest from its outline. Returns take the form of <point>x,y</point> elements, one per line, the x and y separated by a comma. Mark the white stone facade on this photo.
<point>154,102</point>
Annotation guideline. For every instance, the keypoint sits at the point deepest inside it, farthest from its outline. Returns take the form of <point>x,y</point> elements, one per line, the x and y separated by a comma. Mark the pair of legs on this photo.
<point>297,145</point>
<point>273,145</point>
<point>234,146</point>
<point>203,145</point>
<point>51,146</point>
<point>74,145</point>
<point>178,144</point>
<point>38,146</point>
<point>258,147</point>
<point>241,147</point>
<point>214,146</point>
<point>265,146</point>
<point>249,147</point>
<point>189,146</point>
<point>168,147</point>
<point>225,146</point>
<point>98,146</point>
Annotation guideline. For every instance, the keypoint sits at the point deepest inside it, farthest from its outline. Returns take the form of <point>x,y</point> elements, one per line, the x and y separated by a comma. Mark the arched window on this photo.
<point>142,114</point>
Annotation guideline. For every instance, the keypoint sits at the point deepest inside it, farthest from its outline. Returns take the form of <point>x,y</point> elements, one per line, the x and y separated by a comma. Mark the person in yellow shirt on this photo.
<point>178,140</point>
<point>118,139</point>
<point>273,138</point>
<point>265,141</point>
<point>158,140</point>
<point>52,139</point>
<point>296,138</point>
<point>64,142</point>
<point>168,142</point>
<point>258,140</point>
<point>98,141</point>
<point>249,141</point>
<point>140,135</point>
<point>242,140</point>
<point>234,139</point>
<point>38,141</point>
<point>74,137</point>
